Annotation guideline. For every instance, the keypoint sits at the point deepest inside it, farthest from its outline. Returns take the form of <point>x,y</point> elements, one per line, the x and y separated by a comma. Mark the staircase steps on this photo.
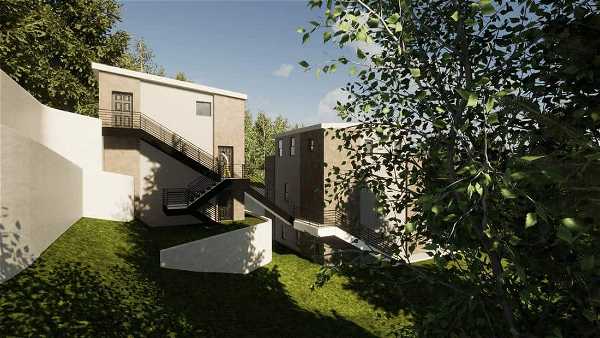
<point>215,176</point>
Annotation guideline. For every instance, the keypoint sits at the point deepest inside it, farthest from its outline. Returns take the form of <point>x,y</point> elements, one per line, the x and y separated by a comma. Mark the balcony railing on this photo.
<point>180,198</point>
<point>319,216</point>
<point>141,121</point>
<point>339,218</point>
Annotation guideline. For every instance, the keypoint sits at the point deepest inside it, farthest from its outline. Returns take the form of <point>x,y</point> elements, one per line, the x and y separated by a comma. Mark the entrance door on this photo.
<point>226,161</point>
<point>122,108</point>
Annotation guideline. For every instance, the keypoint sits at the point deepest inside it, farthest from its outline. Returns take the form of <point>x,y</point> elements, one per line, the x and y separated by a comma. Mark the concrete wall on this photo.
<point>229,131</point>
<point>176,109</point>
<point>121,155</point>
<point>75,137</point>
<point>107,196</point>
<point>41,195</point>
<point>56,158</point>
<point>157,171</point>
<point>107,83</point>
<point>239,251</point>
<point>312,184</point>
<point>287,170</point>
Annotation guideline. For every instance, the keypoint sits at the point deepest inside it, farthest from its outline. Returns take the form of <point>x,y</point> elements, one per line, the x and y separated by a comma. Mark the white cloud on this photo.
<point>369,47</point>
<point>327,104</point>
<point>284,70</point>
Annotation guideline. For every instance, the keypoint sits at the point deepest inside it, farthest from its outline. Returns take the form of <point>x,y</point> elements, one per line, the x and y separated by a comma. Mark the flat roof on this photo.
<point>166,81</point>
<point>340,125</point>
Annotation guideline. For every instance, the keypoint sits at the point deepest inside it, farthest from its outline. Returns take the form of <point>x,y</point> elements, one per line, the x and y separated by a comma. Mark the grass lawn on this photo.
<point>103,279</point>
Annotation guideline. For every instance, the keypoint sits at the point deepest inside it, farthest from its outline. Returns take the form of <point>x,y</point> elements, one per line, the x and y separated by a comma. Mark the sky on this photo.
<point>245,46</point>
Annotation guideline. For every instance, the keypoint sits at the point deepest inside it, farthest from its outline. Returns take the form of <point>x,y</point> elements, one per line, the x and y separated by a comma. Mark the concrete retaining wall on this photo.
<point>51,175</point>
<point>239,251</point>
<point>40,197</point>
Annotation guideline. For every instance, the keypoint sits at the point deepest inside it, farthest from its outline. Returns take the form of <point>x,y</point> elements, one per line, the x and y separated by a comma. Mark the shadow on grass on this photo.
<point>72,300</point>
<point>227,305</point>
<point>438,302</point>
<point>58,297</point>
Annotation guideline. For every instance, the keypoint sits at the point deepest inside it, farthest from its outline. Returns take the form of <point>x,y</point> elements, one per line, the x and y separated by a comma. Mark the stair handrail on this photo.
<point>210,163</point>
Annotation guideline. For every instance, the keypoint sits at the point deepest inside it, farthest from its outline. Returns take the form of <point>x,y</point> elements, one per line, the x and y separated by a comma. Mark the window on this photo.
<point>311,144</point>
<point>292,146</point>
<point>203,108</point>
<point>297,237</point>
<point>280,147</point>
<point>369,146</point>
<point>286,193</point>
<point>122,101</point>
<point>282,231</point>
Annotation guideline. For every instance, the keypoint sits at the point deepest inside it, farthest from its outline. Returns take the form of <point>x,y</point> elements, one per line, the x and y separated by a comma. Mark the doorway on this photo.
<point>122,109</point>
<point>226,161</point>
<point>225,202</point>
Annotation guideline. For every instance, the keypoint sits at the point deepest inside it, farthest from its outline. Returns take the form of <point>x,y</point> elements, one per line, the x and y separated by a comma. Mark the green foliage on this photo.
<point>140,58</point>
<point>48,46</point>
<point>103,279</point>
<point>181,77</point>
<point>484,115</point>
<point>260,133</point>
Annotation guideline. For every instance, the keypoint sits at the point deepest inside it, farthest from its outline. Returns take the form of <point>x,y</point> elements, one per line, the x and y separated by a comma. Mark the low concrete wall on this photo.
<point>107,196</point>
<point>40,196</point>
<point>239,251</point>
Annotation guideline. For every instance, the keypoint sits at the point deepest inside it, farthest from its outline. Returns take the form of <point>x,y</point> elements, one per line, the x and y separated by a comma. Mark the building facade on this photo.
<point>166,134</point>
<point>296,181</point>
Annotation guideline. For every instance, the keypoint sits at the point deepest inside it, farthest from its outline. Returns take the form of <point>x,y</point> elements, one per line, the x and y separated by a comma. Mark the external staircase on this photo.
<point>358,235</point>
<point>197,198</point>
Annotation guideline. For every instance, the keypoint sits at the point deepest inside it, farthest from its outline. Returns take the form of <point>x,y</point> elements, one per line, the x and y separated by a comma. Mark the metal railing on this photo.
<point>319,216</point>
<point>175,198</point>
<point>141,121</point>
<point>339,218</point>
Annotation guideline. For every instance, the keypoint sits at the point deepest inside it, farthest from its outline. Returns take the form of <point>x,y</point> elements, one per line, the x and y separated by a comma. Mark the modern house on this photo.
<point>163,151</point>
<point>182,143</point>
<point>295,180</point>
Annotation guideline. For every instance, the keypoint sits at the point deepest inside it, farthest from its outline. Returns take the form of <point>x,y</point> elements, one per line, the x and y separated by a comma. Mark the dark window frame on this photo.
<point>209,108</point>
<point>119,101</point>
<point>293,146</point>
<point>280,147</point>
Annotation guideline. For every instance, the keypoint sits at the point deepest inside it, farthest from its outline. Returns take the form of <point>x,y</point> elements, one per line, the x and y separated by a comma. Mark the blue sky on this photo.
<point>246,46</point>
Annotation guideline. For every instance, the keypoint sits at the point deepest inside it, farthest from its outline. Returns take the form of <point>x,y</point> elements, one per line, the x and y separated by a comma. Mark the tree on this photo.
<point>48,46</point>
<point>487,125</point>
<point>140,58</point>
<point>259,142</point>
<point>181,77</point>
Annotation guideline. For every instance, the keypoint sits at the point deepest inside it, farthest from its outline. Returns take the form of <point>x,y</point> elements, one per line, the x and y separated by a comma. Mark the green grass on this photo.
<point>103,279</point>
<point>166,237</point>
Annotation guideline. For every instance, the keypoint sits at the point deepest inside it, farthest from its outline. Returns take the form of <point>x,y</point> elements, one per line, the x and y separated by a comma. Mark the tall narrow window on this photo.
<point>286,192</point>
<point>311,144</point>
<point>292,146</point>
<point>280,147</point>
<point>122,101</point>
<point>203,108</point>
<point>282,231</point>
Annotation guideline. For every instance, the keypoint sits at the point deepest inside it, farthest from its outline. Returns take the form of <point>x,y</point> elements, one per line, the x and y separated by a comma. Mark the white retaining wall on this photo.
<point>239,251</point>
<point>56,156</point>
<point>40,197</point>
